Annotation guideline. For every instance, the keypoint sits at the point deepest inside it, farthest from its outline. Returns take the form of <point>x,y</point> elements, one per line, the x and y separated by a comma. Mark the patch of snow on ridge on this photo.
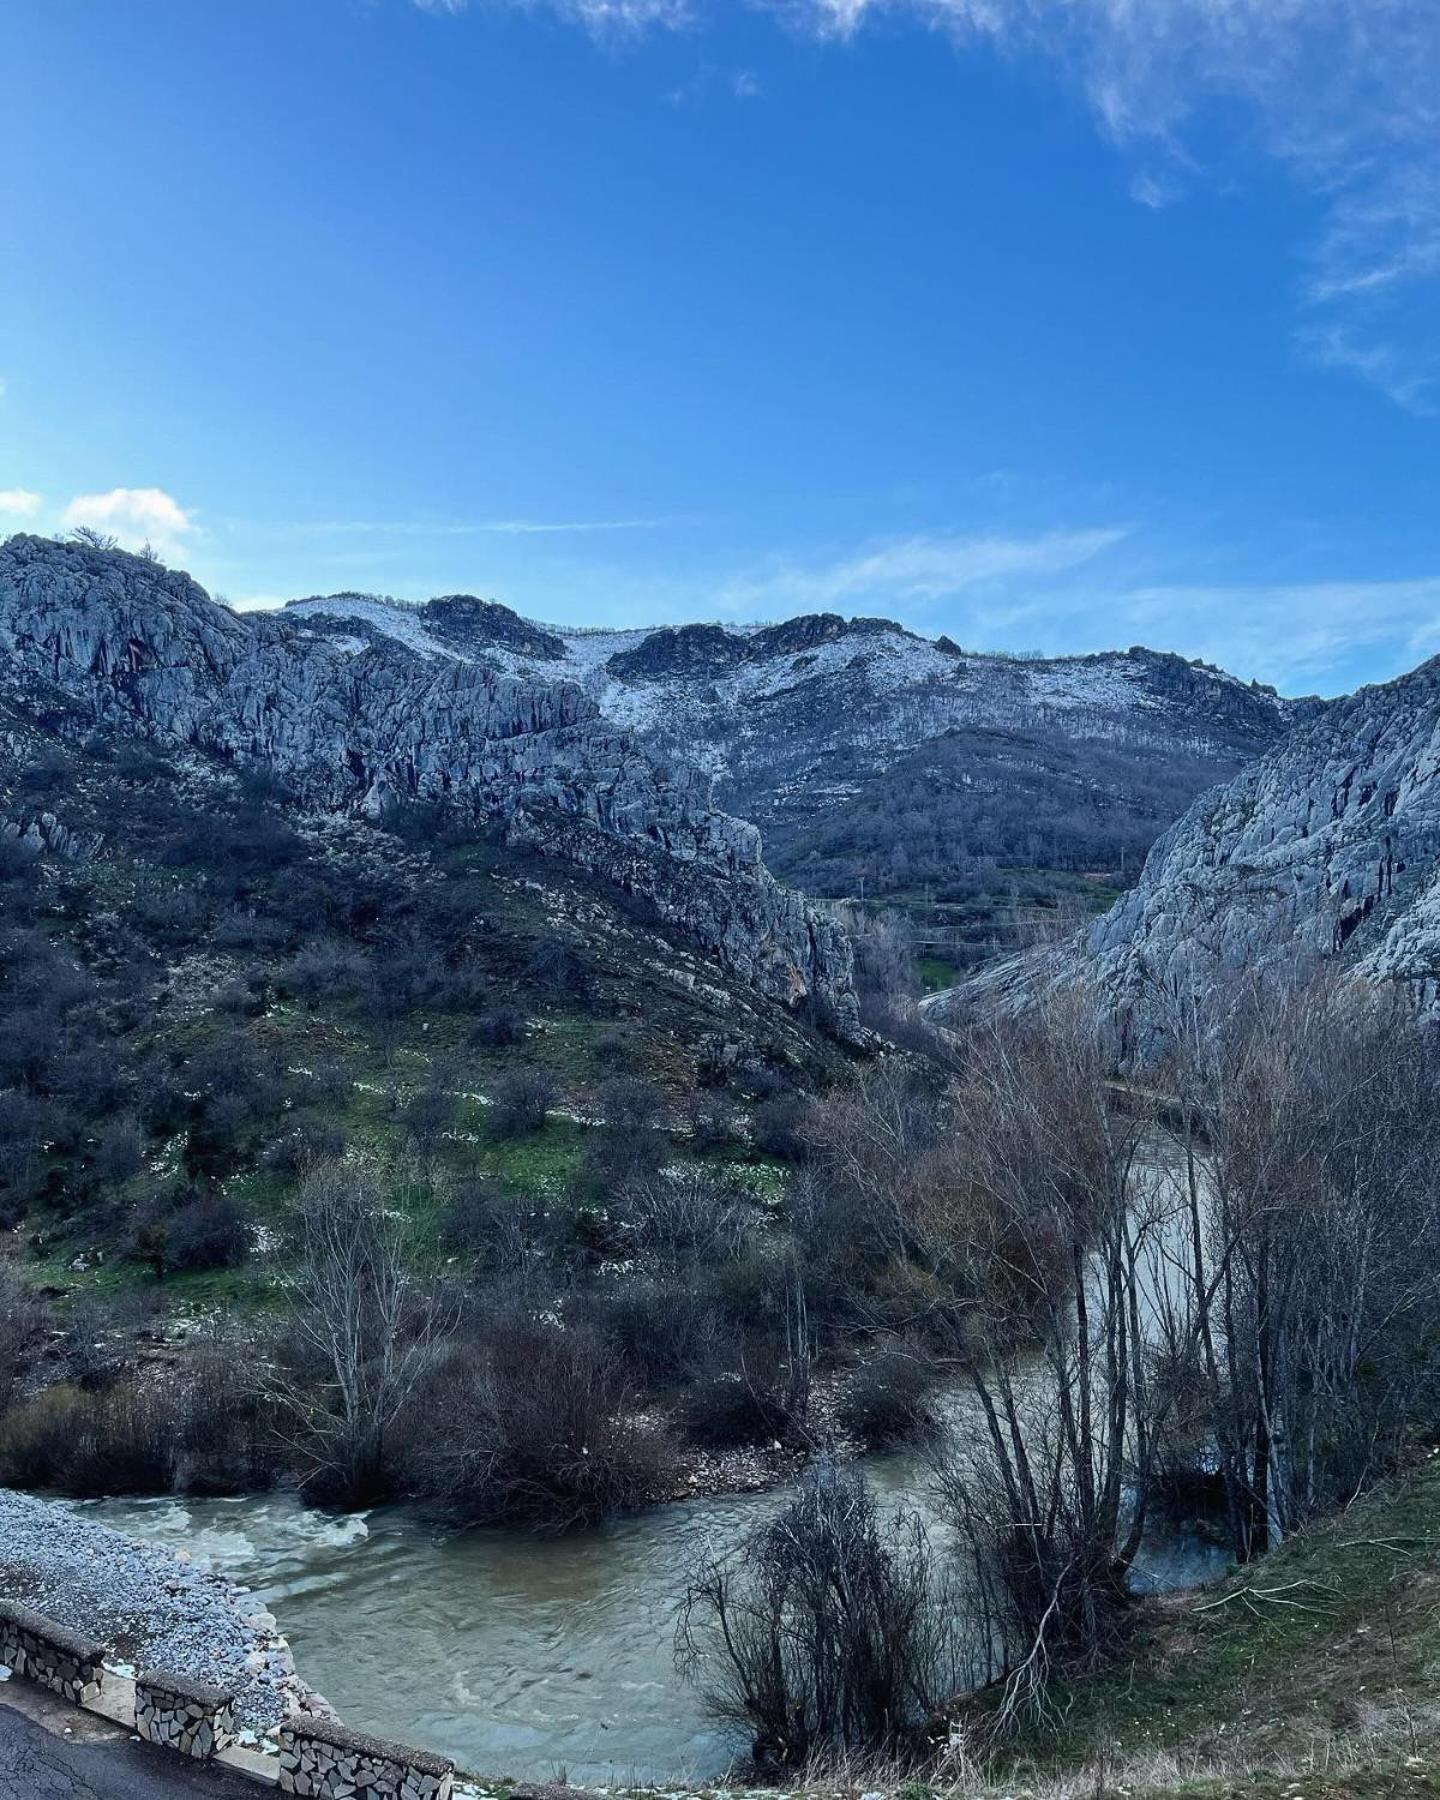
<point>1081,682</point>
<point>389,617</point>
<point>592,649</point>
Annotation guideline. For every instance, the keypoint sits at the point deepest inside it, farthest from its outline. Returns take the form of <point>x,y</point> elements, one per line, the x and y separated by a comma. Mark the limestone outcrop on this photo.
<point>1325,849</point>
<point>97,641</point>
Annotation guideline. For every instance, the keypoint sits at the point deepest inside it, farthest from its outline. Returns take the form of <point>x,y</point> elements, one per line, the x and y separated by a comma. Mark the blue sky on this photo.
<point>1053,324</point>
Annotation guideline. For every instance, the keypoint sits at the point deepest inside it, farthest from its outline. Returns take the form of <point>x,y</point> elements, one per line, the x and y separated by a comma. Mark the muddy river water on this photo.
<point>515,1655</point>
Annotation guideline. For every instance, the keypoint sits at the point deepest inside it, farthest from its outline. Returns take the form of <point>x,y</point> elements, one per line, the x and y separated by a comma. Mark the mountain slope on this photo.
<point>100,641</point>
<point>798,721</point>
<point>1328,847</point>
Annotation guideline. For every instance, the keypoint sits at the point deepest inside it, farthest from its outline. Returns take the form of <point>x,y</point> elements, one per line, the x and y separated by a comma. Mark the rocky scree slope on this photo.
<point>100,641</point>
<point>793,720</point>
<point>1327,847</point>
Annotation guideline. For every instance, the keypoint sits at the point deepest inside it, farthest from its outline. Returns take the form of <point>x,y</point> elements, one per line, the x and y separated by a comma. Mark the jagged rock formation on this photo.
<point>98,641</point>
<point>1326,848</point>
<point>43,834</point>
<point>799,722</point>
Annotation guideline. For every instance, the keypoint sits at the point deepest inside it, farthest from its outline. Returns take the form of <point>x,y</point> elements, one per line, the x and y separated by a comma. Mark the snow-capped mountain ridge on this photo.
<point>905,655</point>
<point>374,708</point>
<point>793,719</point>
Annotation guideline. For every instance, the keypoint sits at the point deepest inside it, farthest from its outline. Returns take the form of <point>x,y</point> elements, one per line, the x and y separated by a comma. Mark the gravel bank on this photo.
<point>151,1605</point>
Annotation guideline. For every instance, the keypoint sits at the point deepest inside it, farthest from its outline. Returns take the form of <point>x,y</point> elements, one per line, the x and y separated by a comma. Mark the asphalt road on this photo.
<point>96,1761</point>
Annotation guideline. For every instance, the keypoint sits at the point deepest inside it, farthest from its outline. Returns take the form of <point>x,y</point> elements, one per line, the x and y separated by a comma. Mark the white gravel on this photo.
<point>150,1605</point>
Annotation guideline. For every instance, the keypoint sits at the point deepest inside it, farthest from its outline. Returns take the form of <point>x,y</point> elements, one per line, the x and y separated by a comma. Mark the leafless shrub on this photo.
<point>118,1440</point>
<point>499,1028</point>
<point>888,1400</point>
<point>536,1425</point>
<point>687,1214</point>
<point>24,1326</point>
<point>225,1440</point>
<point>520,1102</point>
<point>326,971</point>
<point>763,1394</point>
<point>711,1121</point>
<point>295,1154</point>
<point>829,1631</point>
<point>779,1127</point>
<point>662,1330</point>
<point>428,1112</point>
<point>629,1141</point>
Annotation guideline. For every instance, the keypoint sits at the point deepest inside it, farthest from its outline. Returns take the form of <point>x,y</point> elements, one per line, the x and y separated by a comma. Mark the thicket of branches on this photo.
<point>831,1630</point>
<point>1299,1320</point>
<point>1226,1283</point>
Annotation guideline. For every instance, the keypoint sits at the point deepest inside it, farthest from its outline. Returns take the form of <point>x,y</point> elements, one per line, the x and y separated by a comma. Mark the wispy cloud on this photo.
<point>134,517</point>
<point>922,568</point>
<point>1405,372</point>
<point>603,18</point>
<point>1345,94</point>
<point>19,502</point>
<point>447,528</point>
<point>1303,636</point>
<point>714,78</point>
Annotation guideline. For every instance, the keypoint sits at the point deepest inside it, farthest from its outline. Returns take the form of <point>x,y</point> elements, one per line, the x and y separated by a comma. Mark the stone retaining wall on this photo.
<point>190,1716</point>
<point>328,1761</point>
<point>64,1661</point>
<point>319,1758</point>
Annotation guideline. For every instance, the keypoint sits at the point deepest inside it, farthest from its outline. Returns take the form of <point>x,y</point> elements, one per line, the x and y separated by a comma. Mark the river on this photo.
<point>523,1656</point>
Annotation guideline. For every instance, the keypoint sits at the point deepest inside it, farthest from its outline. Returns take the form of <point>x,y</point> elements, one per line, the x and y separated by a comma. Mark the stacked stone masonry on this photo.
<point>328,1761</point>
<point>53,1657</point>
<point>319,1758</point>
<point>190,1716</point>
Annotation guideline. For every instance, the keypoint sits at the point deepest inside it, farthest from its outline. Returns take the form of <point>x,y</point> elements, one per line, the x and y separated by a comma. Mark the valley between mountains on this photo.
<point>520,1077</point>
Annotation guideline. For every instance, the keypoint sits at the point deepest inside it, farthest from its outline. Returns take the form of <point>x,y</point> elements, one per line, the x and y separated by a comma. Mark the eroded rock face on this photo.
<point>794,721</point>
<point>1327,847</point>
<point>42,833</point>
<point>98,640</point>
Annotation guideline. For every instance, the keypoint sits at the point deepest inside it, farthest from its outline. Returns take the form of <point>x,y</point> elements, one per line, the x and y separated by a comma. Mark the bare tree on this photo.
<point>363,1327</point>
<point>1306,1294</point>
<point>1049,1495</point>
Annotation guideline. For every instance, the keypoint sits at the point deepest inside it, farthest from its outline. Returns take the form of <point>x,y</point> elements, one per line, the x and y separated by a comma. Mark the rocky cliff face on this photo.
<point>101,641</point>
<point>1326,848</point>
<point>797,722</point>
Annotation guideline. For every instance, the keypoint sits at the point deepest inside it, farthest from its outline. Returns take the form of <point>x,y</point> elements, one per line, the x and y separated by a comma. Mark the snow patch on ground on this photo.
<point>388,617</point>
<point>896,688</point>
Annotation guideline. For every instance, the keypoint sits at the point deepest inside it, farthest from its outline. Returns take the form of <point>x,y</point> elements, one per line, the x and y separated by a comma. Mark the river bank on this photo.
<point>530,1657</point>
<point>152,1603</point>
<point>540,1661</point>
